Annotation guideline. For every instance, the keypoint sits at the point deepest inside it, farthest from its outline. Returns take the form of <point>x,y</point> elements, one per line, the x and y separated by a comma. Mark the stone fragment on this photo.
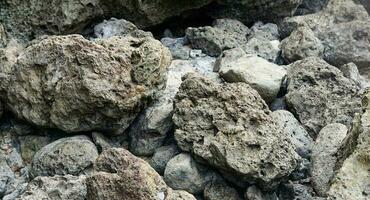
<point>161,157</point>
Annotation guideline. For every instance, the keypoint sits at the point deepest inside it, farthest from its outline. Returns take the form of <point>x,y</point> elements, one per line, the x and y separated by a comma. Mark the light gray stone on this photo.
<point>161,157</point>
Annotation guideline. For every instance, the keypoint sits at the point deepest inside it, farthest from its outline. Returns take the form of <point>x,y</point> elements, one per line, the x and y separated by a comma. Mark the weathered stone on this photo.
<point>225,34</point>
<point>177,47</point>
<point>295,132</point>
<point>102,143</point>
<point>352,178</point>
<point>120,175</point>
<point>250,11</point>
<point>267,31</point>
<point>220,190</point>
<point>31,144</point>
<point>350,71</point>
<point>265,77</point>
<point>150,129</point>
<point>301,44</point>
<point>343,28</point>
<point>71,155</point>
<point>297,191</point>
<point>229,126</point>
<point>254,193</point>
<point>311,6</point>
<point>161,157</point>
<point>183,173</point>
<point>324,157</point>
<point>319,94</point>
<point>53,83</point>
<point>118,27</point>
<point>57,188</point>
<point>3,37</point>
<point>266,49</point>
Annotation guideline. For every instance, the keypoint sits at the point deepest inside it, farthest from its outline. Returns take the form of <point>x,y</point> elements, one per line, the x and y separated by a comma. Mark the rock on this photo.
<point>263,76</point>
<point>225,34</point>
<point>301,44</point>
<point>254,193</point>
<point>71,155</point>
<point>296,133</point>
<point>120,175</point>
<point>161,157</point>
<point>150,129</point>
<point>268,50</point>
<point>56,188</point>
<point>220,190</point>
<point>268,31</point>
<point>297,191</point>
<point>324,157</point>
<point>6,176</point>
<point>102,143</point>
<point>251,11</point>
<point>27,19</point>
<point>352,178</point>
<point>311,6</point>
<point>319,94</point>
<point>343,28</point>
<point>183,173</point>
<point>350,71</point>
<point>30,144</point>
<point>64,89</point>
<point>118,27</point>
<point>177,47</point>
<point>3,37</point>
<point>229,126</point>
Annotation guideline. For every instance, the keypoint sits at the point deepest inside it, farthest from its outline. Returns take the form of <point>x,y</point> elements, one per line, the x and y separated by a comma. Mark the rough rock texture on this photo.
<point>225,34</point>
<point>30,144</point>
<point>350,71</point>
<point>343,28</point>
<point>161,157</point>
<point>324,156</point>
<point>252,10</point>
<point>153,125</point>
<point>311,6</point>
<point>220,190</point>
<point>118,27</point>
<point>265,77</point>
<point>230,127</point>
<point>56,188</point>
<point>27,19</point>
<point>301,44</point>
<point>297,191</point>
<point>255,193</point>
<point>319,94</point>
<point>70,155</point>
<point>183,173</point>
<point>295,131</point>
<point>353,177</point>
<point>3,37</point>
<point>54,81</point>
<point>120,175</point>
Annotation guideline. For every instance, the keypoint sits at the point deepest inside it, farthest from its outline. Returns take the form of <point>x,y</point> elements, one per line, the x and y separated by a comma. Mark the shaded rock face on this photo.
<point>161,157</point>
<point>54,82</point>
<point>120,175</point>
<point>252,10</point>
<point>324,156</point>
<point>319,94</point>
<point>56,187</point>
<point>230,127</point>
<point>73,155</point>
<point>352,178</point>
<point>118,27</point>
<point>343,28</point>
<point>220,190</point>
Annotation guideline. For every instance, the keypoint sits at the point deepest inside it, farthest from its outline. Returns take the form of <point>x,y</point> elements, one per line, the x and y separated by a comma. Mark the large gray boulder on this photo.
<point>265,77</point>
<point>121,175</point>
<point>183,173</point>
<point>343,28</point>
<point>53,83</point>
<point>229,126</point>
<point>319,94</point>
<point>118,27</point>
<point>66,187</point>
<point>71,155</point>
<point>324,156</point>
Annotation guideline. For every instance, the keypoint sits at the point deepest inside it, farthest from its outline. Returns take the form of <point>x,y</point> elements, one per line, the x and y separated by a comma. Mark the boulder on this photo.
<point>56,187</point>
<point>118,27</point>
<point>297,191</point>
<point>324,156</point>
<point>183,173</point>
<point>220,190</point>
<point>352,178</point>
<point>120,175</point>
<point>71,155</point>
<point>343,28</point>
<point>311,6</point>
<point>229,126</point>
<point>319,94</point>
<point>53,82</point>
<point>225,34</point>
<point>265,77</point>
<point>161,157</point>
<point>255,193</point>
<point>302,43</point>
<point>30,144</point>
<point>295,132</point>
<point>149,130</point>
